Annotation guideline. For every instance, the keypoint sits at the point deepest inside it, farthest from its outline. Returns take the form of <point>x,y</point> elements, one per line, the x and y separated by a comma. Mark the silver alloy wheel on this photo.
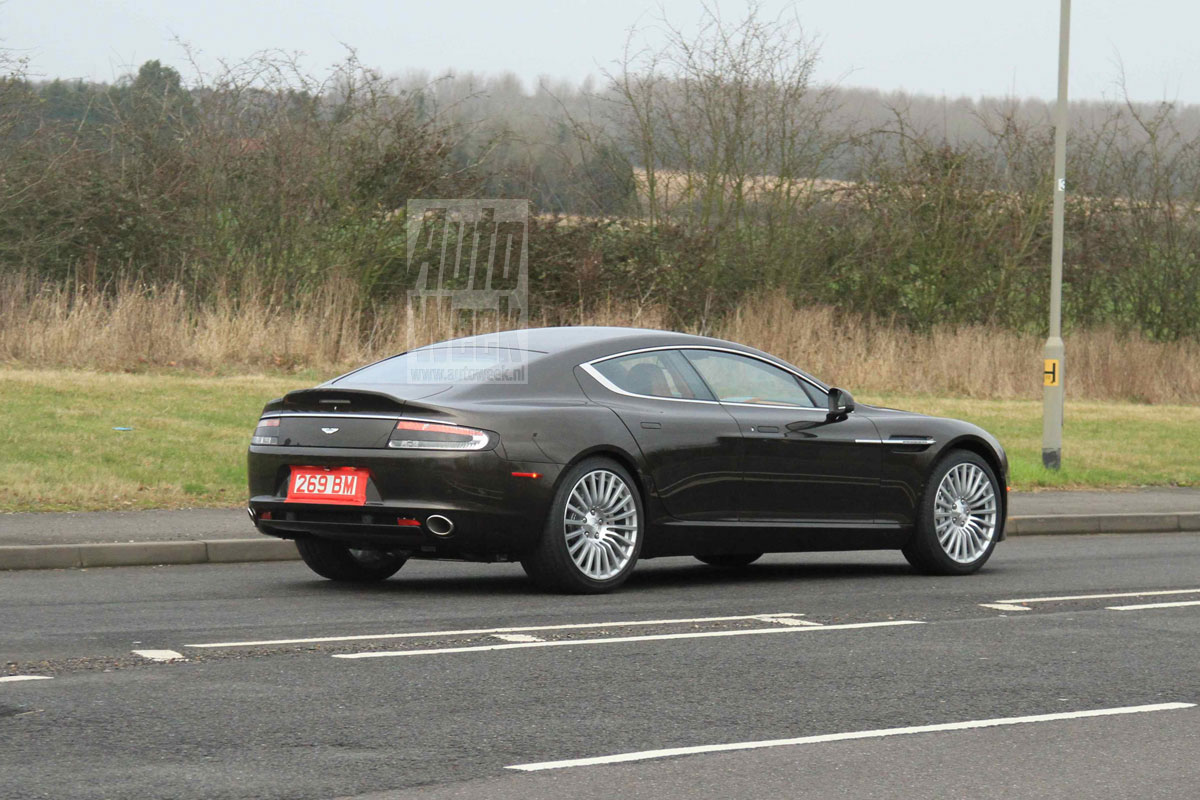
<point>600,523</point>
<point>964,512</point>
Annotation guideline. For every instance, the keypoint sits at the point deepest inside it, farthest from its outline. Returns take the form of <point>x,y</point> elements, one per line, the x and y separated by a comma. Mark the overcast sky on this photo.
<point>951,47</point>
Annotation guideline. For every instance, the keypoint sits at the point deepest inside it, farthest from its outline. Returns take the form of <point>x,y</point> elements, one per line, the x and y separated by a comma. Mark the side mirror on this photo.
<point>840,402</point>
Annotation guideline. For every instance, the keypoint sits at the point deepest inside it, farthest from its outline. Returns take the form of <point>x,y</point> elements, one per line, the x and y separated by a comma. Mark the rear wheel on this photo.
<point>730,559</point>
<point>593,534</point>
<point>340,563</point>
<point>959,517</point>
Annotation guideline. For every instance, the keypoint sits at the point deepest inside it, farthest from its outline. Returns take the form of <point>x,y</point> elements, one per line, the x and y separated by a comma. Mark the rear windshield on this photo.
<point>448,365</point>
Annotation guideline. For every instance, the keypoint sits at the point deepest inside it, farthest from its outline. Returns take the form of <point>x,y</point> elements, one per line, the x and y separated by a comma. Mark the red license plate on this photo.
<point>340,486</point>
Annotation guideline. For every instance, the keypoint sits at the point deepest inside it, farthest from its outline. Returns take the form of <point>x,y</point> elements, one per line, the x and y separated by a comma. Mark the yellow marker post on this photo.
<point>1050,372</point>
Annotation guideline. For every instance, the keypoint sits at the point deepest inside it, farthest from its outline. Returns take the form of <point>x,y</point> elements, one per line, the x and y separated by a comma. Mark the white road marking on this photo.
<point>15,678</point>
<point>160,655</point>
<point>646,755</point>
<point>516,637</point>
<point>621,639</point>
<point>1141,606</point>
<point>486,631</point>
<point>787,620</point>
<point>1005,607</point>
<point>1065,598</point>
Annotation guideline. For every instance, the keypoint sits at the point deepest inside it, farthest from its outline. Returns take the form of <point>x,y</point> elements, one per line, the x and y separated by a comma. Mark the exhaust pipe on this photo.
<point>439,525</point>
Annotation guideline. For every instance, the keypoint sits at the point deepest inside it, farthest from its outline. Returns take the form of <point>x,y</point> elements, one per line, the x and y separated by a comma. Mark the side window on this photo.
<point>661,373</point>
<point>741,379</point>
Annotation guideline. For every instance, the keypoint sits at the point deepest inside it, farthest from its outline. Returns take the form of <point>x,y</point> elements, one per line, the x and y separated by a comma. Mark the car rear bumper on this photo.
<point>494,513</point>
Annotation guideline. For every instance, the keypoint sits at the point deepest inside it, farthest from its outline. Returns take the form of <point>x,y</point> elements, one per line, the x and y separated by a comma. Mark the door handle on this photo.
<point>651,426</point>
<point>764,429</point>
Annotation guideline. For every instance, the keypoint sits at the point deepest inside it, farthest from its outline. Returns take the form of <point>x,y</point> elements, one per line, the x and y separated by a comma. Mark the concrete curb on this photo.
<point>1104,523</point>
<point>232,551</point>
<point>140,554</point>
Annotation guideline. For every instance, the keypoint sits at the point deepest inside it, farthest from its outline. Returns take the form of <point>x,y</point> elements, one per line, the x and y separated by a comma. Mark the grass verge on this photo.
<point>1104,444</point>
<point>59,450</point>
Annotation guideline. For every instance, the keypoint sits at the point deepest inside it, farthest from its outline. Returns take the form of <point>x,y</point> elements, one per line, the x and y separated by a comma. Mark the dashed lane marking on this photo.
<point>788,620</point>
<point>646,755</point>
<point>493,631</point>
<point>1005,607</point>
<point>516,637</point>
<point>1142,606</point>
<point>15,678</point>
<point>1065,598</point>
<point>623,639</point>
<point>160,655</point>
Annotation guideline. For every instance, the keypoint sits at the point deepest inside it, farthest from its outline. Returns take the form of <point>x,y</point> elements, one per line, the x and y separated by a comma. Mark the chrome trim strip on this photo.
<point>900,442</point>
<point>336,415</point>
<point>589,368</point>
<point>333,415</point>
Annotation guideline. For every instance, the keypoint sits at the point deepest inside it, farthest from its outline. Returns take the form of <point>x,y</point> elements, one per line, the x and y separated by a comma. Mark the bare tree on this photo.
<point>725,122</point>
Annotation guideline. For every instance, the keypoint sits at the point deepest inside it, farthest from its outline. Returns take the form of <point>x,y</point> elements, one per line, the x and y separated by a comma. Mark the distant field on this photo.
<point>59,450</point>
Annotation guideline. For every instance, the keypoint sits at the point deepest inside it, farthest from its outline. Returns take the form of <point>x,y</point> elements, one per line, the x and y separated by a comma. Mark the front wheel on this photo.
<point>593,534</point>
<point>959,517</point>
<point>340,563</point>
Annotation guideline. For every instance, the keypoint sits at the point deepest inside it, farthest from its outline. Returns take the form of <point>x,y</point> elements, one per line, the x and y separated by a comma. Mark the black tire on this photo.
<point>550,564</point>
<point>924,550</point>
<point>340,563</point>
<point>730,560</point>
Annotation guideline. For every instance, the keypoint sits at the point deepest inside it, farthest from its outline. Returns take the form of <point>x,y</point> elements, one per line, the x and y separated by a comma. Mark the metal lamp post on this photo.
<point>1053,353</point>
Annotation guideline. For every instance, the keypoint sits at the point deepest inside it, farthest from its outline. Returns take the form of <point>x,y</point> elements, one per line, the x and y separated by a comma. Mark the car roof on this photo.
<point>565,346</point>
<point>581,343</point>
<point>566,339</point>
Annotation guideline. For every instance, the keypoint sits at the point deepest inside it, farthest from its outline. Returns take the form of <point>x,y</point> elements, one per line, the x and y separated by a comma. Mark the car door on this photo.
<point>690,442</point>
<point>799,463</point>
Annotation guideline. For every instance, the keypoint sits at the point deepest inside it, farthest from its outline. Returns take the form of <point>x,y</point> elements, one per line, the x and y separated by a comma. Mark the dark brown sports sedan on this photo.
<point>577,451</point>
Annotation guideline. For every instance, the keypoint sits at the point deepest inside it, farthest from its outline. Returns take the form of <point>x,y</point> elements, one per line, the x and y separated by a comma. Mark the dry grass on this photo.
<point>973,361</point>
<point>147,329</point>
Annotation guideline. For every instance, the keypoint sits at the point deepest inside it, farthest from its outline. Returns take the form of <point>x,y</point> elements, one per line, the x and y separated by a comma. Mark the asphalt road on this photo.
<point>814,647</point>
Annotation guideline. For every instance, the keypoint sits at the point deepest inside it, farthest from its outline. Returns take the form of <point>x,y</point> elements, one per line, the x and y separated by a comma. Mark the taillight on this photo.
<point>418,435</point>
<point>260,434</point>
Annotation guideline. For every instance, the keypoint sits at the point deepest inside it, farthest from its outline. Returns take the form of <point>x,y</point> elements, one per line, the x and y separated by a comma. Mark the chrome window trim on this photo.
<point>824,411</point>
<point>612,387</point>
<point>590,369</point>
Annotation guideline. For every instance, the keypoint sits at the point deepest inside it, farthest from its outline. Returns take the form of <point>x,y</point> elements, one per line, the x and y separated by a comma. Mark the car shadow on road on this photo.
<point>668,574</point>
<point>654,576</point>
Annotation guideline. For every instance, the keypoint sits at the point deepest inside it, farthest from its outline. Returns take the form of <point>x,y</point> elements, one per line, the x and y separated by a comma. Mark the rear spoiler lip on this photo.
<point>313,397</point>
<point>307,402</point>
